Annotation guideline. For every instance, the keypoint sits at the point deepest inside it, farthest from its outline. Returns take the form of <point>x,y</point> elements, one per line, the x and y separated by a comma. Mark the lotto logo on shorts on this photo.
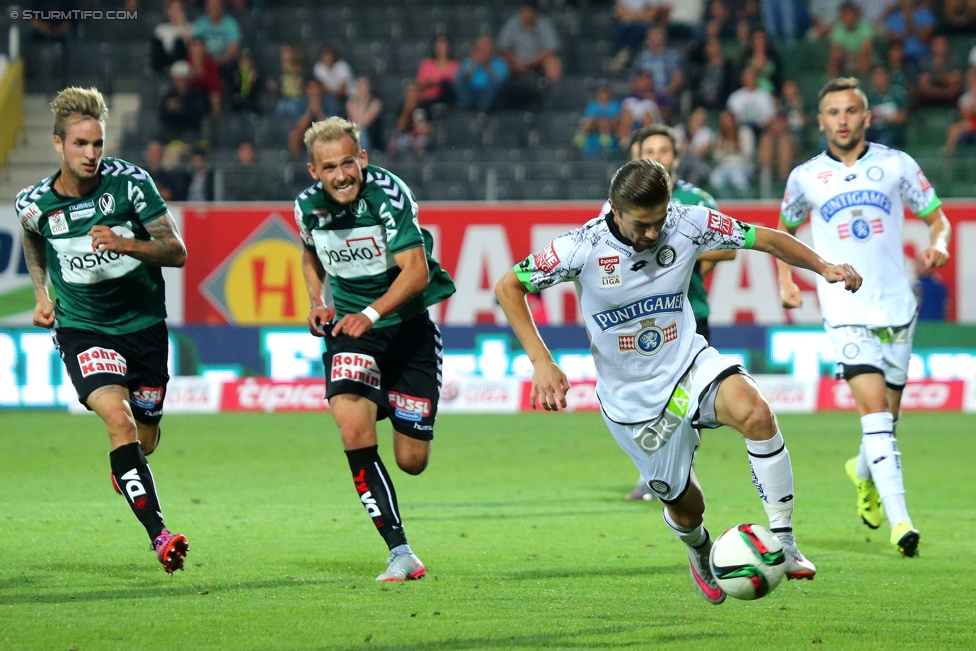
<point>356,367</point>
<point>409,407</point>
<point>546,259</point>
<point>148,398</point>
<point>101,360</point>
<point>719,222</point>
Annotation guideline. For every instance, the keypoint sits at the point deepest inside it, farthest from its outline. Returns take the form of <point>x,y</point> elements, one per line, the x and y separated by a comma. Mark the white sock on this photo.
<point>772,474</point>
<point>863,471</point>
<point>692,537</point>
<point>884,461</point>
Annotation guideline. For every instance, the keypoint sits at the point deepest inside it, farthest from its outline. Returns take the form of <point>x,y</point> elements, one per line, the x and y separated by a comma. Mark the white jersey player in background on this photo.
<point>854,193</point>
<point>657,380</point>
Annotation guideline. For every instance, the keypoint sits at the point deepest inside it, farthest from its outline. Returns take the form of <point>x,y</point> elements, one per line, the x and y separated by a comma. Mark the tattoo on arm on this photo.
<point>165,249</point>
<point>35,254</point>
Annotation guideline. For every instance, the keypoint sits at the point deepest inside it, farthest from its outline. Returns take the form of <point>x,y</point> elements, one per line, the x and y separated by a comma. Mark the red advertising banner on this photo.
<point>244,263</point>
<point>262,394</point>
<point>928,395</point>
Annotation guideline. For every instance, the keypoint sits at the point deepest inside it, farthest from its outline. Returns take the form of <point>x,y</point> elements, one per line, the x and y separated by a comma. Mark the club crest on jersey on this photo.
<point>610,270</point>
<point>57,222</point>
<point>650,339</point>
<point>875,173</point>
<point>860,228</point>
<point>359,208</point>
<point>640,309</point>
<point>855,198</point>
<point>106,203</point>
<point>546,259</point>
<point>666,256</point>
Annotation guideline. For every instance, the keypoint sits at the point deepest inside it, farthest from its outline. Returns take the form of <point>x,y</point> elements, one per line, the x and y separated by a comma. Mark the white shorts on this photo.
<point>886,349</point>
<point>664,449</point>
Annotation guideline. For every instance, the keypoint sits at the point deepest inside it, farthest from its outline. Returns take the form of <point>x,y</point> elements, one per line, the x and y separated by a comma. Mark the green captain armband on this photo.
<point>935,203</point>
<point>750,235</point>
<point>524,274</point>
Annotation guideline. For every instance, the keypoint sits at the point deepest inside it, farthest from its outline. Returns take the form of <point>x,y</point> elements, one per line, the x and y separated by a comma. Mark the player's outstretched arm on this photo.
<point>789,291</point>
<point>321,310</point>
<point>548,380</point>
<point>937,253</point>
<point>413,279</point>
<point>165,249</point>
<point>35,254</point>
<point>795,253</point>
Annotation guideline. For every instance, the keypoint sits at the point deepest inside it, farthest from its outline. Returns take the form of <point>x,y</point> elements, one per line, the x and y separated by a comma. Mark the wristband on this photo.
<point>371,314</point>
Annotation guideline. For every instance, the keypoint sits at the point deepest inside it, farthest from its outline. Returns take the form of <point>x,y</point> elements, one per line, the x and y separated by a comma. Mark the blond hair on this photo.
<point>841,84</point>
<point>329,130</point>
<point>74,103</point>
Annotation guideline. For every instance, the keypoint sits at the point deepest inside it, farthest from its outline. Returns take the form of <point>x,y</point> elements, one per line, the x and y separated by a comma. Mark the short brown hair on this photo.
<point>330,129</point>
<point>655,130</point>
<point>640,184</point>
<point>74,102</point>
<point>840,84</point>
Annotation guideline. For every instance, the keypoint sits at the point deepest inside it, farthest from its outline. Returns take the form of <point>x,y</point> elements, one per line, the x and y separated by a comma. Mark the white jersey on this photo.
<point>856,217</point>
<point>639,321</point>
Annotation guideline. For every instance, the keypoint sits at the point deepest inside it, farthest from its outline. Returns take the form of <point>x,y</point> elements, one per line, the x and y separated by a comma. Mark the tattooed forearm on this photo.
<point>165,249</point>
<point>35,254</point>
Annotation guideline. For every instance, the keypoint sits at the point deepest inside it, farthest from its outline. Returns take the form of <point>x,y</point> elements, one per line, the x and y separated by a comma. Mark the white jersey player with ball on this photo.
<point>855,194</point>
<point>657,380</point>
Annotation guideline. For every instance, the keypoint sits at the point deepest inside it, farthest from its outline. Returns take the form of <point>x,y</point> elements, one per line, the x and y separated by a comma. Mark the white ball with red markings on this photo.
<point>748,561</point>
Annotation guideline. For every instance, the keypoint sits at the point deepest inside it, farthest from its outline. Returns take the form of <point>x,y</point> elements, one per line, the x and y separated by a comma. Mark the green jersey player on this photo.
<point>100,232</point>
<point>359,225</point>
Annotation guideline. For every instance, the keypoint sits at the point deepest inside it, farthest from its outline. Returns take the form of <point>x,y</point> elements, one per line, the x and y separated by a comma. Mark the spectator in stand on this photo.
<point>940,81</point>
<point>733,157</point>
<point>366,110</point>
<point>314,111</point>
<point>717,78</point>
<point>797,118</point>
<point>851,40</point>
<point>752,106</point>
<point>171,40</point>
<point>290,86</point>
<point>480,77</point>
<point>168,184</point>
<point>876,12</point>
<point>413,128</point>
<point>436,74</point>
<point>779,19</point>
<point>633,19</point>
<point>639,109</point>
<point>763,58</point>
<point>245,85</point>
<point>901,71</point>
<point>529,43</point>
<point>247,181</point>
<point>964,131</point>
<point>204,74</point>
<point>720,19</point>
<point>780,142</point>
<point>960,15</point>
<point>823,15</point>
<point>201,182</point>
<point>335,76</point>
<point>685,19</point>
<point>662,62</point>
<point>183,108</point>
<point>59,24</point>
<point>889,110</point>
<point>913,24</point>
<point>222,35</point>
<point>600,123</point>
<point>697,142</point>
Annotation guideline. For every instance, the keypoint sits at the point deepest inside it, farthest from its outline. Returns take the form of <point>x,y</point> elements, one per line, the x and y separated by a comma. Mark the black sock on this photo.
<point>134,478</point>
<point>376,492</point>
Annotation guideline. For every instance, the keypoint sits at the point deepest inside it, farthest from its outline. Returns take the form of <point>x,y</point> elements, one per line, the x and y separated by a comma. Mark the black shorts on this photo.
<point>137,360</point>
<point>397,367</point>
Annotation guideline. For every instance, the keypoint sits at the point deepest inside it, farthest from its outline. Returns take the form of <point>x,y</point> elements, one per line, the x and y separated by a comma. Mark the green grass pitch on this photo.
<point>520,520</point>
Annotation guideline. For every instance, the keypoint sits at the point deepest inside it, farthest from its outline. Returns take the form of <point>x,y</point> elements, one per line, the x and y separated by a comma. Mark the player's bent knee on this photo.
<point>413,464</point>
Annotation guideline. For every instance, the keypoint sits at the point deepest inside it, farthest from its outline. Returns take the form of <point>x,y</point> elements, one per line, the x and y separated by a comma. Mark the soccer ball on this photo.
<point>747,561</point>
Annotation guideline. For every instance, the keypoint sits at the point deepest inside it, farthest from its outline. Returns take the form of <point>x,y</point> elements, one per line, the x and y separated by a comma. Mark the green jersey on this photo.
<point>690,195</point>
<point>101,291</point>
<point>357,244</point>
